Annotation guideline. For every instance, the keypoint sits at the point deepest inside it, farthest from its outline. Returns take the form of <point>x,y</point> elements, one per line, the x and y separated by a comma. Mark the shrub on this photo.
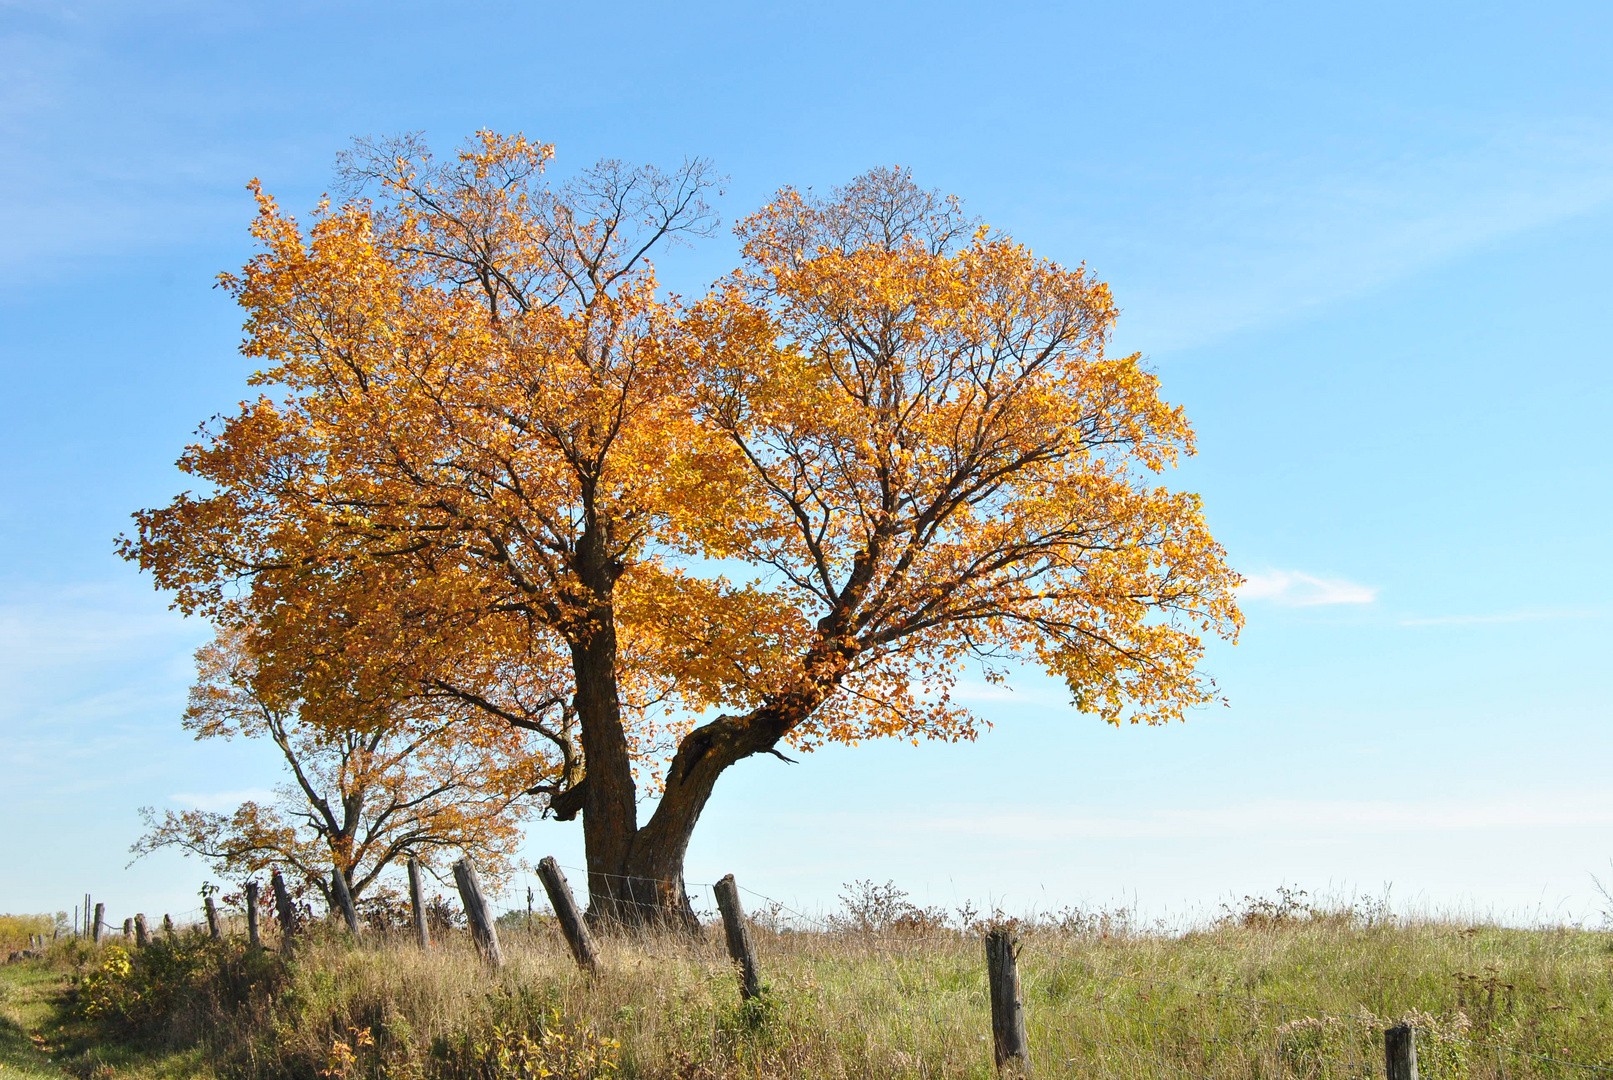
<point>16,929</point>
<point>176,988</point>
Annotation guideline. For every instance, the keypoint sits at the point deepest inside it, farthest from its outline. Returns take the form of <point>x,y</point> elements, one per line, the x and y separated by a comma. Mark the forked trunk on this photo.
<point>635,875</point>
<point>651,890</point>
<point>640,884</point>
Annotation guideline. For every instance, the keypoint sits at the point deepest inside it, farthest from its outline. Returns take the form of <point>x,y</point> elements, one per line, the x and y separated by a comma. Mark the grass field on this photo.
<point>1279,990</point>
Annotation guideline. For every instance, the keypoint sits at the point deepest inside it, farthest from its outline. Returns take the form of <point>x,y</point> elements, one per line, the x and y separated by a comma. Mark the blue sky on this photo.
<point>1367,247</point>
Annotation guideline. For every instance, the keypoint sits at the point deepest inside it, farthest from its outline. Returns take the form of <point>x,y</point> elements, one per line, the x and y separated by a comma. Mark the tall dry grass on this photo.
<point>1273,992</point>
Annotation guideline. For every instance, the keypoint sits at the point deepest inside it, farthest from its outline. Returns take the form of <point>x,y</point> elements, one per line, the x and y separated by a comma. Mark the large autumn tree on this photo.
<point>905,424</point>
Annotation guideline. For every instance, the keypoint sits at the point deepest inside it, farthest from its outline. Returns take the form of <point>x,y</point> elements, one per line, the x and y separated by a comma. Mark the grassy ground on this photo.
<point>28,1001</point>
<point>41,1038</point>
<point>1274,992</point>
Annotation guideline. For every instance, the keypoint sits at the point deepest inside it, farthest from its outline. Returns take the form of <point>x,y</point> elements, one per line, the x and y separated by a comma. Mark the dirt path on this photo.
<point>29,993</point>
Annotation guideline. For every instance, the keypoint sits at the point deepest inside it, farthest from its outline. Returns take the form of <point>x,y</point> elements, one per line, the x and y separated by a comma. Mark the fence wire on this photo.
<point>1138,1026</point>
<point>1247,1038</point>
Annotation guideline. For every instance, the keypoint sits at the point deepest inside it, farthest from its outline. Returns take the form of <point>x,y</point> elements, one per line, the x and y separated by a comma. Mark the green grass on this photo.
<point>28,1001</point>
<point>41,1037</point>
<point>1275,992</point>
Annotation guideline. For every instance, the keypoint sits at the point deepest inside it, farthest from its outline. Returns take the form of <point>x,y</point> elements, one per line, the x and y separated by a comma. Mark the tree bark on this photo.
<point>283,908</point>
<point>572,925</point>
<point>1007,1002</point>
<point>740,949</point>
<point>483,928</point>
<point>635,876</point>
<point>610,798</point>
<point>252,936</point>
<point>1400,1052</point>
<point>703,756</point>
<point>417,904</point>
<point>344,899</point>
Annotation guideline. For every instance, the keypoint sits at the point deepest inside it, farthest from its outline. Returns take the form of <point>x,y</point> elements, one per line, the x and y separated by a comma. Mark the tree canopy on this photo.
<point>889,446</point>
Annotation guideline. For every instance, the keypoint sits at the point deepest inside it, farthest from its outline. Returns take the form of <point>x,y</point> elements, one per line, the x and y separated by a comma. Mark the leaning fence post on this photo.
<point>566,913</point>
<point>212,918</point>
<point>417,904</point>
<point>283,908</point>
<point>1007,1009</point>
<point>252,936</point>
<point>344,899</point>
<point>738,934</point>
<point>1400,1052</point>
<point>482,928</point>
<point>141,937</point>
<point>100,920</point>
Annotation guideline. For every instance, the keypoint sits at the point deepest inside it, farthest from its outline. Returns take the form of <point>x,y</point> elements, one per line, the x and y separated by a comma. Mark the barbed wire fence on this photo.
<point>1142,1025</point>
<point>1136,1026</point>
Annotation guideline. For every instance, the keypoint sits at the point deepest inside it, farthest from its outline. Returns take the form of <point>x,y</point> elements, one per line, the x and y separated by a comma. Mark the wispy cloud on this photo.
<point>1026,688</point>
<point>1308,231</point>
<point>89,671</point>
<point>223,801</point>
<point>1294,588</point>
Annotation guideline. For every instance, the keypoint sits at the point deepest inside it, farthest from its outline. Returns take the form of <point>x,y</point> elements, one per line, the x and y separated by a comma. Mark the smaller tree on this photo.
<point>424,777</point>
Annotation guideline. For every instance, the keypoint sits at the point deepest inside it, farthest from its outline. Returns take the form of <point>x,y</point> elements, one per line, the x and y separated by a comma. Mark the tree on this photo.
<point>411,778</point>
<point>906,425</point>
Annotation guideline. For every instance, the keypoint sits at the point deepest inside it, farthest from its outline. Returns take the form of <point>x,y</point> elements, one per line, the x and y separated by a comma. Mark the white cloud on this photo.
<point>1293,588</point>
<point>223,801</point>
<point>1022,690</point>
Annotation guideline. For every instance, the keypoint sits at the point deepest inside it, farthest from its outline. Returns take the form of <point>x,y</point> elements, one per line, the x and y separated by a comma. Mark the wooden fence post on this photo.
<point>417,904</point>
<point>141,937</point>
<point>344,899</point>
<point>738,934</point>
<point>565,910</point>
<point>100,920</point>
<point>167,925</point>
<point>1007,1009</point>
<point>482,928</point>
<point>253,938</point>
<point>283,908</point>
<point>128,930</point>
<point>212,919</point>
<point>1400,1052</point>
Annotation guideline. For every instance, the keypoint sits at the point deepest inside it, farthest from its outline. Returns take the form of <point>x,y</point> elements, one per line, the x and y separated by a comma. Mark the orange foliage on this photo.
<point>954,469</point>
<point>506,468</point>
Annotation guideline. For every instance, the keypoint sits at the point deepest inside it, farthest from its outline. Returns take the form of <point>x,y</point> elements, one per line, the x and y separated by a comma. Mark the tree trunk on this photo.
<point>610,805</point>
<point>654,867</point>
<point>635,876</point>
<point>610,798</point>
